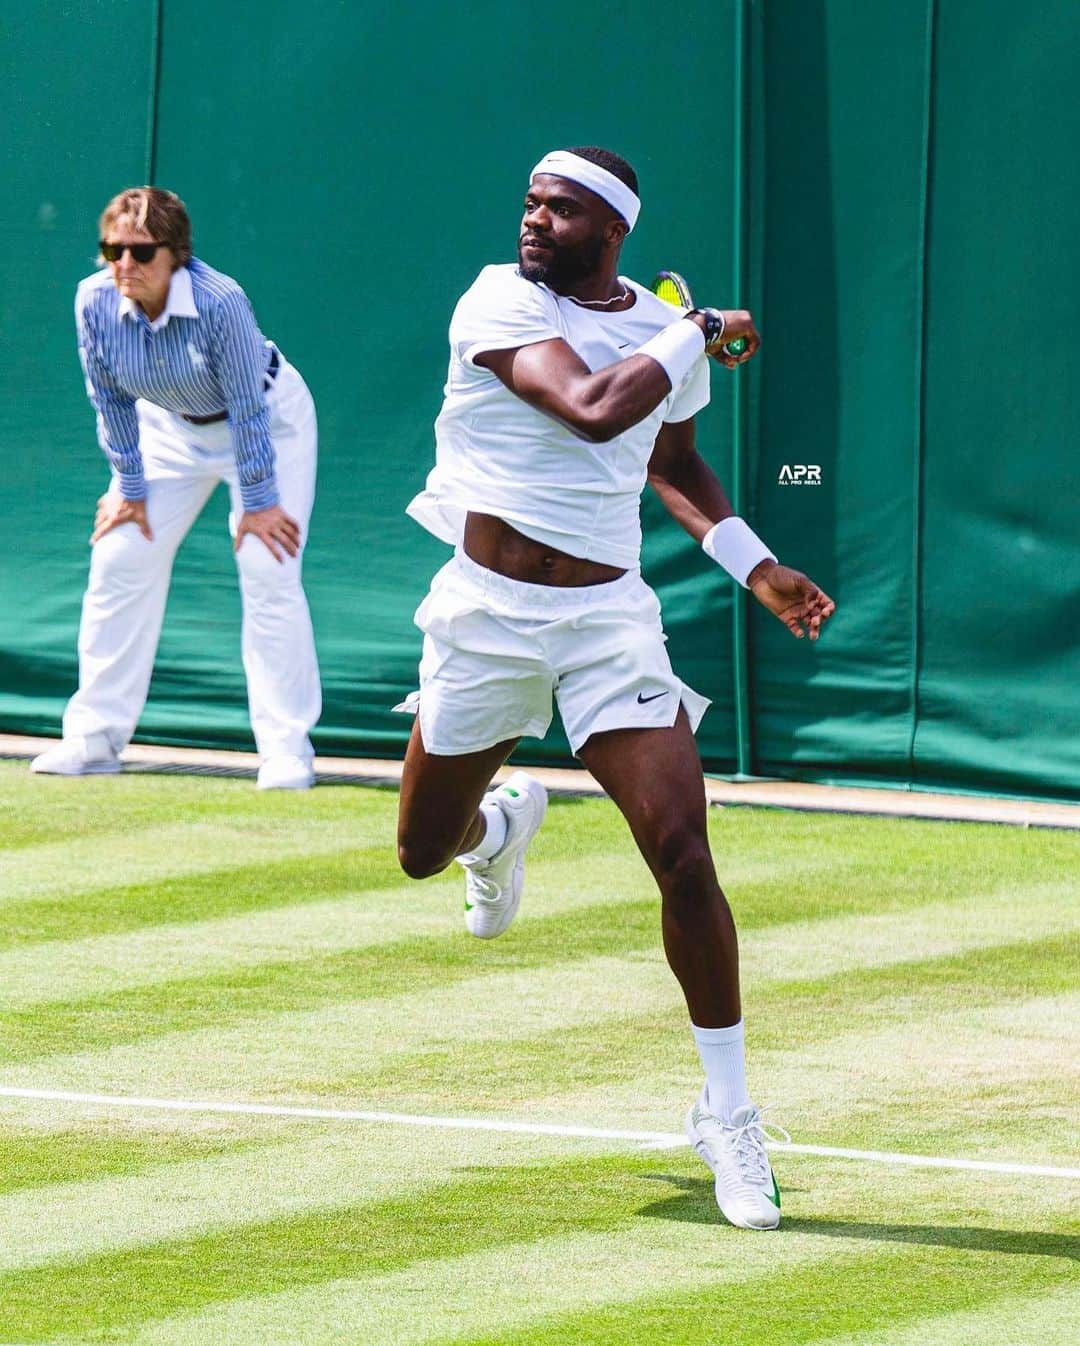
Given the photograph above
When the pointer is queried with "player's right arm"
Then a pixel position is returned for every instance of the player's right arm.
(510, 327)
(552, 377)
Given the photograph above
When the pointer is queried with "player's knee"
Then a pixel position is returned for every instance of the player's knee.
(684, 862)
(420, 861)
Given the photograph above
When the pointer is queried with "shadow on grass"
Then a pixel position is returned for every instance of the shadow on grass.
(696, 1205)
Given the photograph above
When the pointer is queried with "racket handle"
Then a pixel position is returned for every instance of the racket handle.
(734, 348)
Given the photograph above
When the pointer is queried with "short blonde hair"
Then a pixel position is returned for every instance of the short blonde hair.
(160, 213)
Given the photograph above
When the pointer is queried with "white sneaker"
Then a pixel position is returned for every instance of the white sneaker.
(493, 887)
(91, 755)
(285, 773)
(746, 1191)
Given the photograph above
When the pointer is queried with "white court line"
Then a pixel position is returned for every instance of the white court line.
(654, 1140)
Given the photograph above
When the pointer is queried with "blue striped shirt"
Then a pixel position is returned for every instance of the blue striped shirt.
(203, 355)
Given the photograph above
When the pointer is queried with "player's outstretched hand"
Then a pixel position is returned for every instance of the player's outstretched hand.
(277, 531)
(793, 597)
(113, 510)
(738, 326)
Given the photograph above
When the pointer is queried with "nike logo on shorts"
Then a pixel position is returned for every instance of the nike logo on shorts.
(644, 700)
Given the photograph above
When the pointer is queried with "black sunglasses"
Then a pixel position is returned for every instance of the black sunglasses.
(141, 252)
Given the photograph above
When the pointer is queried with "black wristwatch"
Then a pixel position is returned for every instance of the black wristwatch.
(714, 326)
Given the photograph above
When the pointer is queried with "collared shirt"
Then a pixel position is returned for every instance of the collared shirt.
(204, 354)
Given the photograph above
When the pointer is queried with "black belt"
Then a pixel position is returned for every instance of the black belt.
(271, 374)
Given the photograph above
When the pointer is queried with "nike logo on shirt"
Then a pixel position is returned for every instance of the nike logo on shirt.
(644, 700)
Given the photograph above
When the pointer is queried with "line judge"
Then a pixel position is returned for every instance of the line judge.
(188, 393)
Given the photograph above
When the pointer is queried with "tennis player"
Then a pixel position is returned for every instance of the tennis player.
(570, 386)
(188, 393)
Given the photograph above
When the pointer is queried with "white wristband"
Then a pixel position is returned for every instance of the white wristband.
(675, 349)
(733, 544)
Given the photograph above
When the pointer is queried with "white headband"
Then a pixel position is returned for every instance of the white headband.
(563, 164)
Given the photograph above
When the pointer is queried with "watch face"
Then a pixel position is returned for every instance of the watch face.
(714, 325)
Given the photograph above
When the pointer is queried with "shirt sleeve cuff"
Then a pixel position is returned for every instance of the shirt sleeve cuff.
(132, 485)
(259, 494)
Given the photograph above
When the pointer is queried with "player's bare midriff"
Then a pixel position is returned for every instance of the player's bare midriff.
(495, 545)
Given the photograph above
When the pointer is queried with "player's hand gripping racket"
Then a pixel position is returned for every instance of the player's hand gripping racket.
(673, 289)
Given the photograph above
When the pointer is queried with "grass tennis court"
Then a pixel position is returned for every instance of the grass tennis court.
(909, 987)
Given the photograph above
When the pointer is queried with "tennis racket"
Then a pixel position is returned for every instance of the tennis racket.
(673, 289)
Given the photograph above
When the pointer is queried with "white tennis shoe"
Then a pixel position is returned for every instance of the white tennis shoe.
(285, 773)
(89, 755)
(493, 887)
(746, 1191)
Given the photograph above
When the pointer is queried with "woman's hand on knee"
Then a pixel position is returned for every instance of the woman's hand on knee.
(277, 530)
(113, 510)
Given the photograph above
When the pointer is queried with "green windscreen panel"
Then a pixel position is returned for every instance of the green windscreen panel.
(909, 189)
(999, 656)
(74, 90)
(367, 162)
(921, 349)
(835, 464)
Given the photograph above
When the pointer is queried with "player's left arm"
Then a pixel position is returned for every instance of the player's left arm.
(694, 497)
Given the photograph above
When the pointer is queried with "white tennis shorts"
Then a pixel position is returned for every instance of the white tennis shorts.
(497, 650)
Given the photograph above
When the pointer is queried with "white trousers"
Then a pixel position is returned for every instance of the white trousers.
(129, 579)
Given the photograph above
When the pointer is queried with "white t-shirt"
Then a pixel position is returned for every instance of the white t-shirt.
(496, 454)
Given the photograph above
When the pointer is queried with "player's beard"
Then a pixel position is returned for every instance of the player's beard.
(564, 267)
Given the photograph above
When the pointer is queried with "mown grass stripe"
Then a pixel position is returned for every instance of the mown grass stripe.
(649, 1140)
(316, 1169)
(636, 1068)
(674, 1243)
(319, 859)
(933, 858)
(558, 866)
(75, 969)
(225, 997)
(266, 884)
(797, 1306)
(1051, 1318)
(362, 918)
(89, 1152)
(139, 841)
(966, 1052)
(978, 1074)
(163, 851)
(564, 1198)
(862, 996)
(39, 810)
(536, 1237)
(891, 856)
(947, 1087)
(284, 1049)
(782, 1015)
(336, 984)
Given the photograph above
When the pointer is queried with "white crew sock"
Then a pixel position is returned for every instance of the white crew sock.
(494, 837)
(723, 1056)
